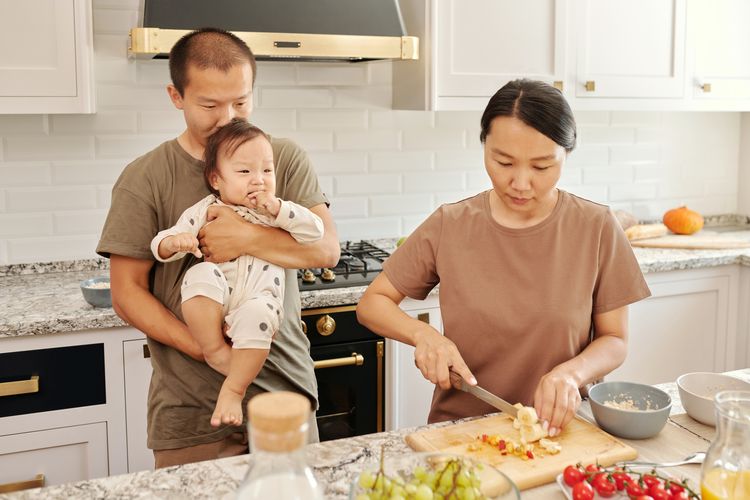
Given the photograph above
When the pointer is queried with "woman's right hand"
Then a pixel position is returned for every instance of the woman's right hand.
(436, 356)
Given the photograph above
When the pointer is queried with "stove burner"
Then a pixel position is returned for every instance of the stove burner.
(360, 262)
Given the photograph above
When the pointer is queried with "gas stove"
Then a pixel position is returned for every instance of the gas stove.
(359, 264)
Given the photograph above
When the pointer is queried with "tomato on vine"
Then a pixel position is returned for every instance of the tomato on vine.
(573, 475)
(583, 491)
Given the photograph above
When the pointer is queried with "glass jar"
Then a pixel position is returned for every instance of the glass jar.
(726, 470)
(278, 426)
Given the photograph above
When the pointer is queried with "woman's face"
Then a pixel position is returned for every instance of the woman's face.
(524, 166)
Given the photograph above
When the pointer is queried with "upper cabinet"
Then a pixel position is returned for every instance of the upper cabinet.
(46, 52)
(603, 54)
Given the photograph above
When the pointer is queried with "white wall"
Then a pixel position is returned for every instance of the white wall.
(743, 195)
(384, 170)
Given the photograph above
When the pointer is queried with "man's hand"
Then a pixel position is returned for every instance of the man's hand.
(224, 237)
(265, 203)
(180, 242)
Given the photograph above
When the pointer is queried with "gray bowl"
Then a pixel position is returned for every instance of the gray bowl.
(97, 297)
(645, 420)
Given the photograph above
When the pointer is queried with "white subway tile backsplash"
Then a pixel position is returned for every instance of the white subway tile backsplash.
(593, 193)
(117, 4)
(334, 119)
(649, 135)
(465, 159)
(331, 74)
(167, 121)
(294, 98)
(367, 140)
(614, 174)
(103, 196)
(649, 153)
(79, 222)
(153, 72)
(123, 146)
(368, 98)
(400, 120)
(103, 122)
(478, 180)
(52, 248)
(454, 196)
(111, 47)
(468, 120)
(339, 162)
(438, 181)
(348, 207)
(22, 173)
(411, 222)
(326, 185)
(12, 125)
(685, 188)
(94, 172)
(725, 187)
(606, 135)
(400, 204)
(275, 73)
(371, 227)
(433, 139)
(588, 155)
(571, 175)
(400, 161)
(309, 141)
(18, 225)
(131, 97)
(368, 184)
(623, 192)
(379, 73)
(635, 118)
(649, 173)
(27, 200)
(69, 147)
(117, 21)
(585, 118)
(273, 119)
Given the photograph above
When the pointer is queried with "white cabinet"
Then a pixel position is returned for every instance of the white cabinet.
(409, 393)
(633, 48)
(46, 51)
(137, 365)
(743, 324)
(54, 456)
(688, 324)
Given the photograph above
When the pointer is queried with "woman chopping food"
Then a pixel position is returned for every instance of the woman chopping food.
(535, 282)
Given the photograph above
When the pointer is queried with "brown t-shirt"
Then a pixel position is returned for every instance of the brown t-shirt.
(516, 302)
(149, 196)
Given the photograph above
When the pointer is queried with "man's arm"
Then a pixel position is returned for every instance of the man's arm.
(227, 236)
(133, 302)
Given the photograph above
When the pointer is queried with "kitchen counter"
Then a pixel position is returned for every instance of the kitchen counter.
(337, 463)
(42, 299)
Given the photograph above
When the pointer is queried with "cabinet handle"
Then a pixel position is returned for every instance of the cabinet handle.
(20, 387)
(706, 87)
(37, 482)
(558, 84)
(590, 86)
(146, 351)
(424, 317)
(354, 359)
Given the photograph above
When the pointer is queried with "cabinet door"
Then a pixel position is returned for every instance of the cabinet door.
(633, 48)
(687, 325)
(60, 455)
(721, 44)
(483, 44)
(137, 378)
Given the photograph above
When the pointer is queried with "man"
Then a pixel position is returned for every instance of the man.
(212, 73)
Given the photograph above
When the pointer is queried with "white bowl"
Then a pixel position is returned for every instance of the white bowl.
(697, 391)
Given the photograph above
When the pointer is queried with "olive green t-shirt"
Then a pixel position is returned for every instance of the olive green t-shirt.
(516, 302)
(149, 196)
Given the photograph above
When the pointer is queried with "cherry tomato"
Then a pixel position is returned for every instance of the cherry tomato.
(679, 495)
(650, 480)
(573, 475)
(658, 492)
(592, 469)
(674, 488)
(634, 490)
(583, 491)
(643, 497)
(621, 480)
(604, 486)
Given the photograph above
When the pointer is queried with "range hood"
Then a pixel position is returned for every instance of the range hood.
(311, 30)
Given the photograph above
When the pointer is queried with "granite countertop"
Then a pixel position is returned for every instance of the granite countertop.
(335, 464)
(41, 299)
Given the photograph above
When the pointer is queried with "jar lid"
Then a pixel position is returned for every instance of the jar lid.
(281, 411)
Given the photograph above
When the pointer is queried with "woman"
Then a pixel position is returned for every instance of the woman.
(534, 281)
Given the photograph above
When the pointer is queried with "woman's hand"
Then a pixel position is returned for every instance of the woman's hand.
(221, 238)
(556, 399)
(436, 356)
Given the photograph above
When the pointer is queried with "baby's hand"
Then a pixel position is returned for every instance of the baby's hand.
(266, 203)
(180, 242)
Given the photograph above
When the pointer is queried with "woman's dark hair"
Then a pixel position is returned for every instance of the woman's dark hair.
(207, 48)
(225, 141)
(538, 105)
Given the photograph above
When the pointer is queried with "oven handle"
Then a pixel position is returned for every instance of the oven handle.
(354, 359)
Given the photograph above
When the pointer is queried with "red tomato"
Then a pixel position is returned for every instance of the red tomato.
(650, 480)
(621, 480)
(583, 491)
(658, 492)
(679, 495)
(675, 488)
(634, 490)
(573, 475)
(642, 497)
(604, 487)
(592, 469)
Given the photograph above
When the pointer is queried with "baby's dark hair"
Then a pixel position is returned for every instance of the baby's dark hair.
(226, 140)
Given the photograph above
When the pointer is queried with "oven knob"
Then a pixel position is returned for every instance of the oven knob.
(326, 325)
(308, 276)
(328, 275)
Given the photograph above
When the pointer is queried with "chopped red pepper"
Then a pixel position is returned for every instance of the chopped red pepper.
(501, 445)
(484, 438)
(529, 454)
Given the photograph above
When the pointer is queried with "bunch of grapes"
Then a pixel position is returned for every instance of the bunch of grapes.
(452, 479)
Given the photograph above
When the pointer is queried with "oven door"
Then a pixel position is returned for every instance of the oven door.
(350, 378)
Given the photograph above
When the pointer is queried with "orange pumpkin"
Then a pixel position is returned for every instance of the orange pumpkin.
(683, 220)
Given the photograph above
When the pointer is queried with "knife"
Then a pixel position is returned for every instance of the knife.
(459, 383)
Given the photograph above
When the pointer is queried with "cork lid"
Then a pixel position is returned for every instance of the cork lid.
(281, 411)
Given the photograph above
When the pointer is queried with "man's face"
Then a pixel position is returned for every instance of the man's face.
(212, 98)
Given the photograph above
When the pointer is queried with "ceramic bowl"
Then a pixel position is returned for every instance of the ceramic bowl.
(493, 483)
(96, 291)
(630, 410)
(697, 391)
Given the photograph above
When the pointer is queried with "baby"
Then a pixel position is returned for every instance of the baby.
(247, 293)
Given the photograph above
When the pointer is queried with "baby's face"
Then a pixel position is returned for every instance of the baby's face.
(248, 170)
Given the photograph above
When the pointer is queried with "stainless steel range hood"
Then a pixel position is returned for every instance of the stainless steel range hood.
(311, 30)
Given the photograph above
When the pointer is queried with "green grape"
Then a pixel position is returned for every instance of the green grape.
(463, 478)
(420, 472)
(366, 480)
(424, 492)
(363, 496)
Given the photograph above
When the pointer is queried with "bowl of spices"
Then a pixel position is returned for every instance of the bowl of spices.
(96, 291)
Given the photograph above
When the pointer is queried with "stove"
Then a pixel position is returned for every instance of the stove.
(359, 264)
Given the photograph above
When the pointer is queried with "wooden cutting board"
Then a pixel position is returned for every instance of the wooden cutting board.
(705, 240)
(581, 442)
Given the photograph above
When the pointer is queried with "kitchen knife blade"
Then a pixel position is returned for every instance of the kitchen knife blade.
(495, 401)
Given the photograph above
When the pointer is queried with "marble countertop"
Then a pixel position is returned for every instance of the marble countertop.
(42, 299)
(335, 464)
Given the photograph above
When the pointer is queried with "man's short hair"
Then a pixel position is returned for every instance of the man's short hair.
(207, 48)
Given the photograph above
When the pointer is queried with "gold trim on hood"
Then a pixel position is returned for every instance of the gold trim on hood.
(148, 43)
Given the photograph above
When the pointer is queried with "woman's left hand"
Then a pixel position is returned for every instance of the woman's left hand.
(556, 399)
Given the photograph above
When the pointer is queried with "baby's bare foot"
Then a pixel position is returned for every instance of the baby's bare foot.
(228, 409)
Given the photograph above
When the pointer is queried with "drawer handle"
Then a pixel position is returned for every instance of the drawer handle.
(37, 482)
(20, 387)
(354, 359)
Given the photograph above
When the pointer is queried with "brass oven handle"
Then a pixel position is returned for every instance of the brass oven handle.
(354, 359)
(20, 387)
(37, 482)
(326, 325)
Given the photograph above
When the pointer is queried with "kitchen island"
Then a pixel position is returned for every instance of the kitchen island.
(337, 463)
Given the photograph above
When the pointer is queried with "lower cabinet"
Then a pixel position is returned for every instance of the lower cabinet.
(53, 456)
(137, 366)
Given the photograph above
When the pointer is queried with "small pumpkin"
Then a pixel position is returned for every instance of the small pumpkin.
(682, 220)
